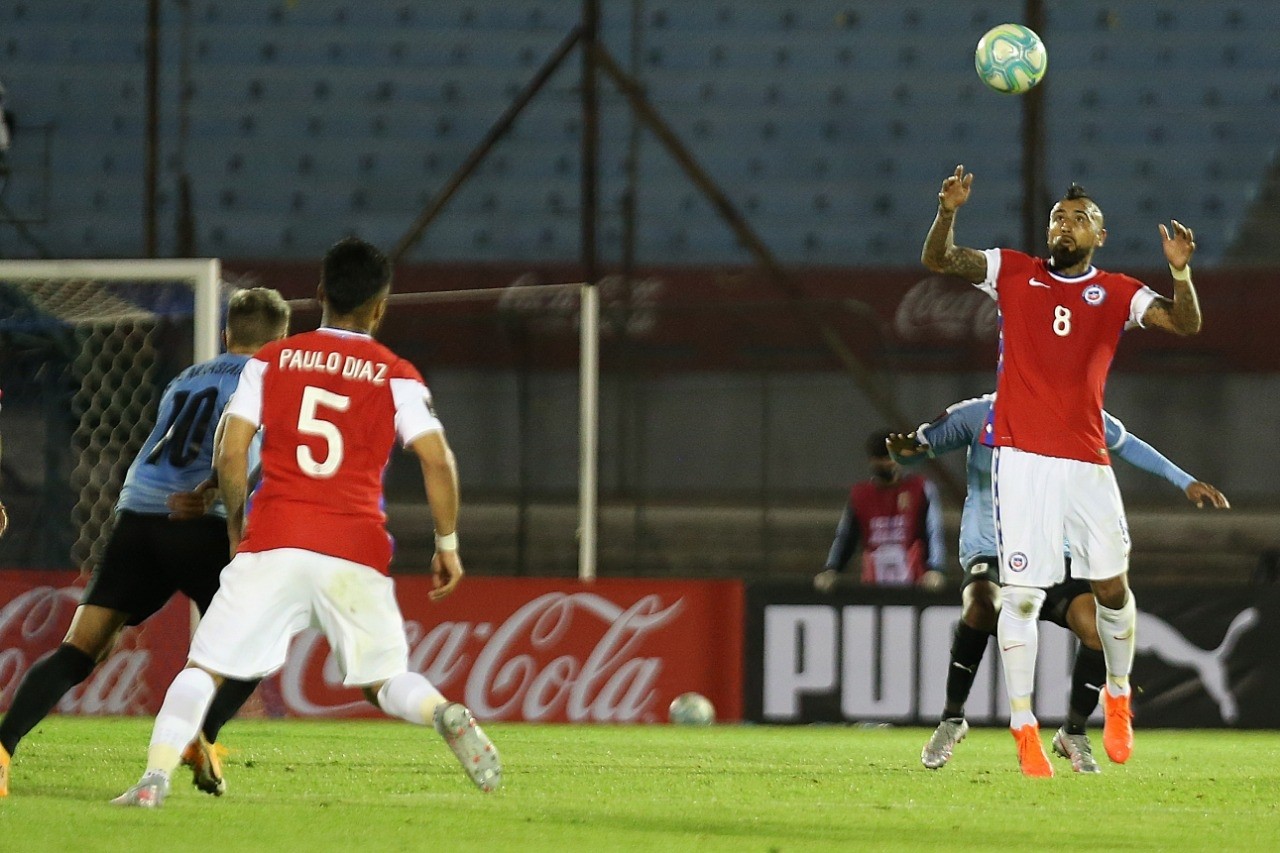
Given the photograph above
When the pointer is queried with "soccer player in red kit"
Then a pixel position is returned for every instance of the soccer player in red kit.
(1060, 323)
(314, 549)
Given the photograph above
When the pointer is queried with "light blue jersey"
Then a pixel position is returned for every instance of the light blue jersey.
(961, 426)
(178, 454)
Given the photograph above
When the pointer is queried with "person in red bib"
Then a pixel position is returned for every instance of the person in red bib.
(1061, 319)
(897, 521)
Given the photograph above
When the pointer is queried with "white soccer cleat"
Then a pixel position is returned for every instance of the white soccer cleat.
(1076, 749)
(475, 751)
(937, 752)
(149, 793)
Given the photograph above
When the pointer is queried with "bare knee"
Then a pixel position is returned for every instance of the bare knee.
(1112, 592)
(981, 606)
(94, 630)
(1082, 618)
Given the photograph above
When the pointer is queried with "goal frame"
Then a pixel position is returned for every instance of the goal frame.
(204, 273)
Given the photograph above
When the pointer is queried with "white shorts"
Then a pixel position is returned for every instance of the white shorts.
(1041, 501)
(268, 597)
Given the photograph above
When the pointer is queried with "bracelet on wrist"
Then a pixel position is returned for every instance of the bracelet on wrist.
(1183, 274)
(448, 542)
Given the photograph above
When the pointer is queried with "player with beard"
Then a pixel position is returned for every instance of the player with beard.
(1069, 604)
(897, 519)
(1061, 320)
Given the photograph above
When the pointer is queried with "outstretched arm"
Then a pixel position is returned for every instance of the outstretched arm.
(1140, 454)
(940, 252)
(952, 430)
(1181, 314)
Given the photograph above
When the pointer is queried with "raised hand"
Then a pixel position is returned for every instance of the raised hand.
(1178, 247)
(955, 189)
(904, 446)
(1199, 493)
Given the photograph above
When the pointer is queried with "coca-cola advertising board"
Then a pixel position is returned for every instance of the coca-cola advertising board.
(549, 650)
(546, 650)
(35, 611)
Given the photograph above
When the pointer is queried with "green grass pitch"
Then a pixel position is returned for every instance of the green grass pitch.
(385, 786)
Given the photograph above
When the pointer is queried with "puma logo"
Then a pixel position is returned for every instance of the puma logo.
(1161, 639)
(1037, 283)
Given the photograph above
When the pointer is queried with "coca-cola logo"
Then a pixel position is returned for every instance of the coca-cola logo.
(940, 309)
(32, 624)
(627, 306)
(576, 656)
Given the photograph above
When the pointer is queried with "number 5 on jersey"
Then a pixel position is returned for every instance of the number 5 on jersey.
(310, 423)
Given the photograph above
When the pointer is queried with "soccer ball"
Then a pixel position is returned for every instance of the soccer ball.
(1011, 59)
(692, 709)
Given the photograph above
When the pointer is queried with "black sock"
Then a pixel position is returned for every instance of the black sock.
(225, 705)
(968, 645)
(1087, 677)
(44, 685)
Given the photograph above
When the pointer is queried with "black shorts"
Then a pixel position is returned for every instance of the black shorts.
(150, 557)
(1057, 599)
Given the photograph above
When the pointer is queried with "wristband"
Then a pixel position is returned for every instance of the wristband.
(448, 542)
(1183, 274)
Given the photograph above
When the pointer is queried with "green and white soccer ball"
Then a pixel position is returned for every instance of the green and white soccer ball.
(691, 709)
(1011, 59)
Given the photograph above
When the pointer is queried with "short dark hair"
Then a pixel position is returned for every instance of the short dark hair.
(876, 447)
(354, 272)
(255, 316)
(1075, 192)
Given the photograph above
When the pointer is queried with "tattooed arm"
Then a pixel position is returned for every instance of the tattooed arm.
(940, 253)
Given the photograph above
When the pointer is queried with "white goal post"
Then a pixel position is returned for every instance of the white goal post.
(588, 319)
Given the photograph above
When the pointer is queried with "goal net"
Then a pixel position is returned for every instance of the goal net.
(86, 348)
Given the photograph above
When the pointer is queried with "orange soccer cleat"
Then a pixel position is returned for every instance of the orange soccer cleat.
(205, 761)
(4, 772)
(1117, 729)
(1031, 755)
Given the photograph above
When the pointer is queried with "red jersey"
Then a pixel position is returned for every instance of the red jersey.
(330, 405)
(1058, 336)
(893, 527)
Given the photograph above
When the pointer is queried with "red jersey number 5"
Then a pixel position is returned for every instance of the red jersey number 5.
(309, 423)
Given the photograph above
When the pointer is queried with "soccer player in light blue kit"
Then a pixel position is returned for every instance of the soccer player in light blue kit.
(1070, 604)
(156, 549)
